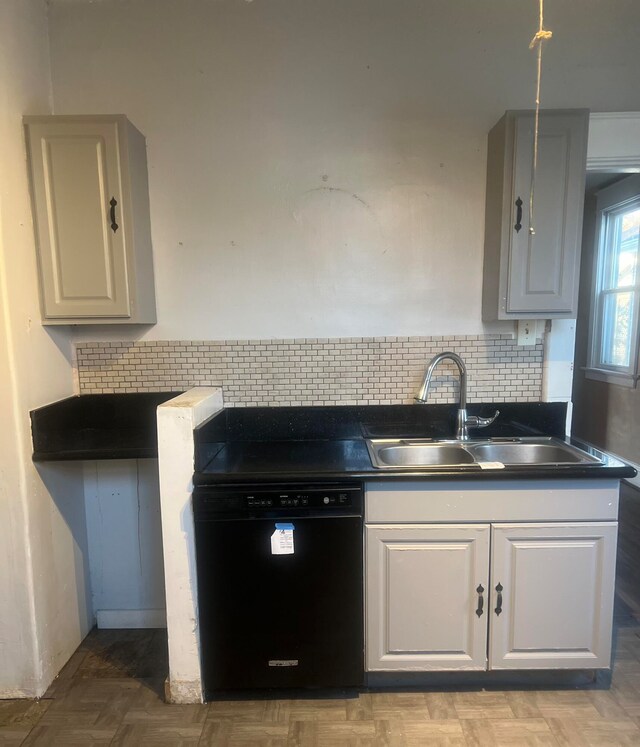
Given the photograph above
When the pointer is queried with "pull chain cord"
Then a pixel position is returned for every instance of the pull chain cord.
(541, 35)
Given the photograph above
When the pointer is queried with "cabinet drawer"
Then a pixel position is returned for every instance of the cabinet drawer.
(486, 501)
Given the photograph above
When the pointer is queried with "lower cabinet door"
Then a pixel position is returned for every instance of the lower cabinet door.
(427, 597)
(552, 589)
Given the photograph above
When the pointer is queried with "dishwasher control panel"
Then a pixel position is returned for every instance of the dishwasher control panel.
(300, 499)
(277, 500)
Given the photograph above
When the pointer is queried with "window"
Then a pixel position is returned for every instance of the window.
(616, 298)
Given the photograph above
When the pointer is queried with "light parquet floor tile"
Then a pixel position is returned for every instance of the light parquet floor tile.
(482, 704)
(334, 711)
(514, 732)
(441, 706)
(344, 734)
(523, 704)
(595, 732)
(412, 706)
(566, 704)
(68, 736)
(157, 735)
(243, 733)
(12, 736)
(92, 703)
(446, 733)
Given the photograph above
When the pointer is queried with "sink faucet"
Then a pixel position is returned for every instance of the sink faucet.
(463, 421)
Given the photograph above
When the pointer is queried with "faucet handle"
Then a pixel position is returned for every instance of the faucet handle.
(474, 421)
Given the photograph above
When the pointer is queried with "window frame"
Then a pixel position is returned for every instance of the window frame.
(611, 201)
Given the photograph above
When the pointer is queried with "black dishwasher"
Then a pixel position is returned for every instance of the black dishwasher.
(280, 586)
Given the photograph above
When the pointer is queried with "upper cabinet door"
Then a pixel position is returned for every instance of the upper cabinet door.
(76, 176)
(84, 196)
(534, 275)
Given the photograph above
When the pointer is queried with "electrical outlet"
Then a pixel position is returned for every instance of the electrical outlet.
(527, 332)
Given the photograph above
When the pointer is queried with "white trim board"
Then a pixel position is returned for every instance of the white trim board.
(614, 141)
(131, 618)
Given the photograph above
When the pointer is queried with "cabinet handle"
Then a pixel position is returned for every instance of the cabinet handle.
(498, 609)
(518, 224)
(113, 202)
(480, 592)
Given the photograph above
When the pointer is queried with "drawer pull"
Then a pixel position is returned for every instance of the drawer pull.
(113, 202)
(518, 224)
(499, 589)
(480, 592)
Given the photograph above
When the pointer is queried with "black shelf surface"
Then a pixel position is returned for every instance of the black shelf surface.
(98, 426)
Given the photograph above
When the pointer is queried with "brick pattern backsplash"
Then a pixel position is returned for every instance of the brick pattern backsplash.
(380, 370)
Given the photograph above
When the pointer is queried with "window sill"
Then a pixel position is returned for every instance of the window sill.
(611, 377)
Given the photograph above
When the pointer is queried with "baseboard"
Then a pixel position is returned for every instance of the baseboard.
(18, 693)
(131, 618)
(183, 691)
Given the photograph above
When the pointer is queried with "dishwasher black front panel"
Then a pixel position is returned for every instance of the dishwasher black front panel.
(280, 621)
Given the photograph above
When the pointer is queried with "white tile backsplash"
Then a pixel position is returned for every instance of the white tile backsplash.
(306, 371)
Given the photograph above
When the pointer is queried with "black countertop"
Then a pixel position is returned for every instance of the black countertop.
(98, 426)
(293, 444)
(327, 444)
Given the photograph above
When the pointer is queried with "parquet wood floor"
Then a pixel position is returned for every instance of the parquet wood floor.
(111, 693)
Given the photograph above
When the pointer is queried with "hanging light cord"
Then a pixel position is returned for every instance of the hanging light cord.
(541, 35)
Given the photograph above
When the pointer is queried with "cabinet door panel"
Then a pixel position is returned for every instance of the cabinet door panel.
(76, 173)
(543, 268)
(422, 597)
(557, 595)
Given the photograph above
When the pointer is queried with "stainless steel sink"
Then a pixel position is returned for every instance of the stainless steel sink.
(425, 453)
(531, 453)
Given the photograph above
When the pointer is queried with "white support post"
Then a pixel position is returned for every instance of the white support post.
(176, 420)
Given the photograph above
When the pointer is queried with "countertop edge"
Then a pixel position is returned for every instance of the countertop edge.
(514, 473)
(90, 455)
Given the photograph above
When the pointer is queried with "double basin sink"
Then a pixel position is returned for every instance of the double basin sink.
(426, 453)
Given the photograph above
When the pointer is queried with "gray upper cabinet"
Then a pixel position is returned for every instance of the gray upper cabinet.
(91, 216)
(534, 276)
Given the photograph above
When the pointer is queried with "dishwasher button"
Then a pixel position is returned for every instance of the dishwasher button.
(326, 500)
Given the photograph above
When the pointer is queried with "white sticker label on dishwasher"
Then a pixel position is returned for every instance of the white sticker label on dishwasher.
(491, 465)
(282, 540)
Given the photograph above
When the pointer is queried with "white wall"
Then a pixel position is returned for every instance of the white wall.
(318, 168)
(44, 599)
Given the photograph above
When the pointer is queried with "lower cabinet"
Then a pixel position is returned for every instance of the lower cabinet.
(489, 596)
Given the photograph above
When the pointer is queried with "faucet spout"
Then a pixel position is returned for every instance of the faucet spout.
(423, 392)
(463, 421)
